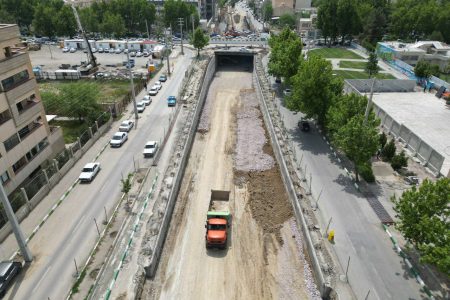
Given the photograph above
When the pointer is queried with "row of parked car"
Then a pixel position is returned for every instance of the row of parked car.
(133, 53)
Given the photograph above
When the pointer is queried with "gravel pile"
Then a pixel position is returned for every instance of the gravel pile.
(251, 136)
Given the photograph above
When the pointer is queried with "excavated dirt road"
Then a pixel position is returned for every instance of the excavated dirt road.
(263, 260)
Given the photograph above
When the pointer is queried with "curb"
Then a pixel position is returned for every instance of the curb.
(125, 253)
(411, 268)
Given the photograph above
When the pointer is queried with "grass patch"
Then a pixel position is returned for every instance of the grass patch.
(360, 75)
(334, 53)
(71, 129)
(445, 77)
(352, 64)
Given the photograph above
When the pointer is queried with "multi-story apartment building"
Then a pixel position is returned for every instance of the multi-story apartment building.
(26, 140)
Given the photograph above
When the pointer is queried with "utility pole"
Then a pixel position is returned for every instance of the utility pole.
(167, 51)
(21, 241)
(148, 32)
(136, 116)
(192, 17)
(180, 22)
(369, 102)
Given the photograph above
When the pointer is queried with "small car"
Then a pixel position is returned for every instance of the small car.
(158, 84)
(304, 125)
(287, 92)
(65, 50)
(118, 139)
(125, 51)
(146, 54)
(72, 50)
(163, 78)
(8, 271)
(140, 106)
(100, 50)
(94, 50)
(112, 51)
(106, 50)
(132, 54)
(171, 101)
(89, 172)
(150, 148)
(126, 126)
(139, 54)
(118, 51)
(147, 100)
(153, 91)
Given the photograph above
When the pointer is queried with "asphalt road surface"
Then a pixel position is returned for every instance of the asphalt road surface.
(70, 233)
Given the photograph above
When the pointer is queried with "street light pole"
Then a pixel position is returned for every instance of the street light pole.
(136, 116)
(180, 22)
(21, 241)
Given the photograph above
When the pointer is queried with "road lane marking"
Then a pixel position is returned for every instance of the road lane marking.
(42, 278)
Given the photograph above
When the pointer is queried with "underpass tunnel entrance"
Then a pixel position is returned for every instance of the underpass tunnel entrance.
(234, 61)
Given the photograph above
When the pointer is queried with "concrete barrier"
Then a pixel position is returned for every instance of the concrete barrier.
(150, 269)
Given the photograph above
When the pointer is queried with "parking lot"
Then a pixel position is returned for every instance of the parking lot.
(50, 57)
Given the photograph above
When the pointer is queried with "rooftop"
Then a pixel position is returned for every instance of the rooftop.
(425, 115)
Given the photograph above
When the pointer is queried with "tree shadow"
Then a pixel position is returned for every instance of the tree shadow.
(347, 183)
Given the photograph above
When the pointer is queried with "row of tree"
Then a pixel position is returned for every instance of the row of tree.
(111, 18)
(371, 20)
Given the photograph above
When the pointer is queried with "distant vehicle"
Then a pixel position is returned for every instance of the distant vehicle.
(72, 50)
(158, 84)
(171, 101)
(132, 54)
(304, 125)
(89, 172)
(106, 50)
(8, 271)
(65, 50)
(112, 51)
(218, 220)
(85, 50)
(277, 80)
(140, 106)
(100, 50)
(139, 54)
(146, 54)
(163, 78)
(118, 51)
(126, 125)
(94, 50)
(150, 148)
(118, 139)
(287, 92)
(153, 91)
(125, 51)
(147, 100)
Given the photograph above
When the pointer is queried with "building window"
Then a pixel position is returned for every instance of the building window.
(37, 149)
(26, 103)
(4, 116)
(17, 167)
(11, 82)
(11, 142)
(4, 178)
(25, 131)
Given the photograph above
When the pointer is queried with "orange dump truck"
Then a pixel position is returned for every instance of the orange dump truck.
(218, 220)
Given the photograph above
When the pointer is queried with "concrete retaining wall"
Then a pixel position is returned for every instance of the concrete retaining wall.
(25, 210)
(151, 268)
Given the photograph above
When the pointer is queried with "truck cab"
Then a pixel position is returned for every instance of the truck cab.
(218, 220)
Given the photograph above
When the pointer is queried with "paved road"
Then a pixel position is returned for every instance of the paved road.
(70, 232)
(374, 265)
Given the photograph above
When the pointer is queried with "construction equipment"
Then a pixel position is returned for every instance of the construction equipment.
(91, 66)
(218, 220)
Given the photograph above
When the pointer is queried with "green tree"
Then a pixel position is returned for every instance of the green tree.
(113, 25)
(174, 9)
(20, 12)
(422, 69)
(374, 28)
(358, 141)
(65, 22)
(126, 186)
(399, 161)
(79, 100)
(382, 139)
(90, 19)
(327, 19)
(267, 10)
(348, 21)
(199, 40)
(51, 102)
(43, 22)
(314, 88)
(372, 65)
(424, 221)
(388, 151)
(285, 55)
(287, 20)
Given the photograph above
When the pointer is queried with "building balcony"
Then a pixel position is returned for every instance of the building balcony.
(28, 113)
(20, 89)
(13, 62)
(9, 32)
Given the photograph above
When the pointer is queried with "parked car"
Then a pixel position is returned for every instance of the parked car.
(100, 50)
(150, 148)
(118, 51)
(147, 100)
(126, 125)
(163, 78)
(171, 101)
(94, 50)
(140, 106)
(132, 54)
(8, 271)
(125, 51)
(153, 91)
(304, 125)
(287, 92)
(139, 54)
(106, 50)
(65, 50)
(112, 51)
(72, 50)
(158, 84)
(146, 54)
(118, 139)
(89, 172)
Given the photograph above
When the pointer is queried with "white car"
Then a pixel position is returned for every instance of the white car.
(118, 139)
(158, 84)
(139, 54)
(153, 91)
(65, 49)
(125, 51)
(72, 50)
(150, 148)
(112, 51)
(147, 100)
(126, 125)
(140, 106)
(118, 51)
(94, 50)
(89, 172)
